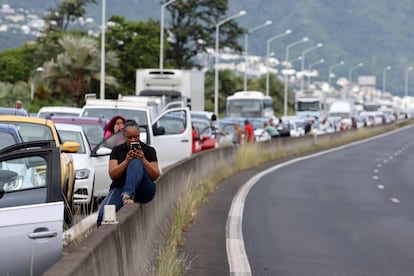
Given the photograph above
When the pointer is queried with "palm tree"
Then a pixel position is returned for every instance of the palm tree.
(79, 63)
(10, 92)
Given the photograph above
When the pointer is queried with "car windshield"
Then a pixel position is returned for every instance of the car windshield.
(33, 132)
(73, 136)
(139, 116)
(202, 126)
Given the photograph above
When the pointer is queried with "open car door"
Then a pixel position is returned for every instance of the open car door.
(31, 208)
(172, 136)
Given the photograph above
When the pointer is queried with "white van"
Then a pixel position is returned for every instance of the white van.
(343, 109)
(170, 133)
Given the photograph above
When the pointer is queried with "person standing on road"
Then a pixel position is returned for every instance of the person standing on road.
(133, 172)
(248, 132)
(237, 135)
(308, 127)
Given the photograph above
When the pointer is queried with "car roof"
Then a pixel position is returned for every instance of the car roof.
(13, 111)
(71, 127)
(83, 120)
(49, 110)
(32, 120)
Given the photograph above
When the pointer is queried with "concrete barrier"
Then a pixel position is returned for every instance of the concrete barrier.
(131, 246)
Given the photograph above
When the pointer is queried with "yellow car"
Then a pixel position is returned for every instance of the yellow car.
(36, 129)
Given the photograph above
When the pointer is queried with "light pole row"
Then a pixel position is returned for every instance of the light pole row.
(246, 45)
(285, 97)
(302, 81)
(321, 61)
(331, 68)
(241, 13)
(352, 69)
(268, 55)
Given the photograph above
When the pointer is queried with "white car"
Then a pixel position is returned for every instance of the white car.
(296, 127)
(48, 111)
(88, 168)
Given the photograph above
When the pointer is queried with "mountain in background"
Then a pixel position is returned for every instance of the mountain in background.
(376, 33)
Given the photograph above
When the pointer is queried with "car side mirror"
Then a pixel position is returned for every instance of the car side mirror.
(70, 147)
(102, 152)
(158, 130)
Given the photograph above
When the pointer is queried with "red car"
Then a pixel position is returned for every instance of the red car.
(206, 137)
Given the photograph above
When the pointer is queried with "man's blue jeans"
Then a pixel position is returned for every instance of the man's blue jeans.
(138, 185)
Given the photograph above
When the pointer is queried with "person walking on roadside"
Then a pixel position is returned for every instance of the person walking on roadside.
(132, 170)
(248, 132)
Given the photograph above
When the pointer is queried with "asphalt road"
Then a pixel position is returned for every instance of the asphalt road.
(346, 212)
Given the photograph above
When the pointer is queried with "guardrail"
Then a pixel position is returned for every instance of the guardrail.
(131, 246)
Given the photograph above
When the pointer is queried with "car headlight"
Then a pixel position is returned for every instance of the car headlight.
(82, 173)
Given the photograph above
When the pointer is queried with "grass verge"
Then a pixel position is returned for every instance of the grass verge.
(170, 263)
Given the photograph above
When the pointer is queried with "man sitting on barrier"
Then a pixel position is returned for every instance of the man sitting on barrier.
(133, 166)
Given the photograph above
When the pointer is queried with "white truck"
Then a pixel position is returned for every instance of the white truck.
(344, 110)
(185, 87)
(309, 103)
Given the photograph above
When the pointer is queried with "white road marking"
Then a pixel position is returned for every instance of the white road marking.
(375, 177)
(381, 187)
(236, 253)
(379, 165)
(376, 171)
(385, 161)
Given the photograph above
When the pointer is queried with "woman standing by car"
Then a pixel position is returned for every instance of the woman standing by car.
(116, 124)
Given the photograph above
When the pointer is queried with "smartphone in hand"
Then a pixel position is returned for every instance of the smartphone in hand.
(135, 145)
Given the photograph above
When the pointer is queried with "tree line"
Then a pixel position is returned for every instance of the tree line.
(64, 63)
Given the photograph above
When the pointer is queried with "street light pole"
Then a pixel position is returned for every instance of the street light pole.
(268, 55)
(311, 66)
(352, 69)
(32, 83)
(217, 58)
(162, 33)
(246, 45)
(331, 68)
(406, 79)
(285, 98)
(384, 82)
(302, 81)
(299, 58)
(102, 75)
